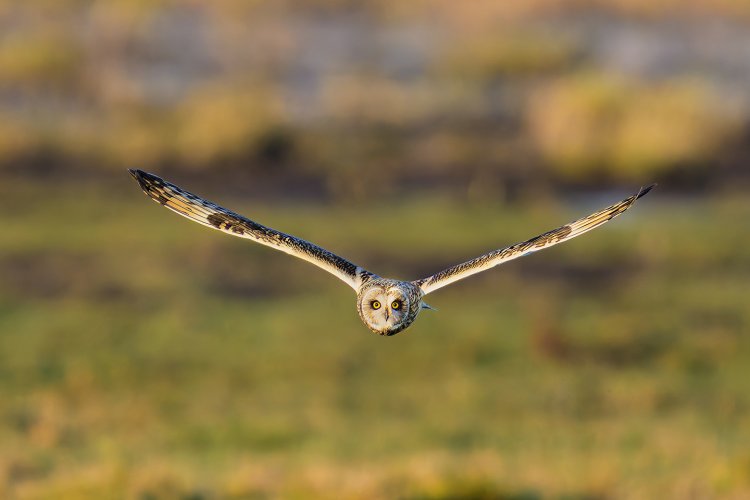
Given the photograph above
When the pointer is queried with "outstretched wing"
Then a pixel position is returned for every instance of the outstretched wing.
(212, 215)
(496, 257)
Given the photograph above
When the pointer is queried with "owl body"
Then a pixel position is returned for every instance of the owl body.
(386, 306)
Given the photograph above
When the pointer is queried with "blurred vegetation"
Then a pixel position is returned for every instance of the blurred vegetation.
(508, 55)
(142, 356)
(593, 126)
(339, 89)
(145, 355)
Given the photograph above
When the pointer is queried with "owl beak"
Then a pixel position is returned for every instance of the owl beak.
(387, 315)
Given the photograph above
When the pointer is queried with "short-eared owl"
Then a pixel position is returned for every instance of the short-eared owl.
(386, 306)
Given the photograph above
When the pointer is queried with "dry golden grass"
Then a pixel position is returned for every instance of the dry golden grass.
(147, 357)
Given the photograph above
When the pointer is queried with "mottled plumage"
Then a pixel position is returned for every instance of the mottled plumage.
(386, 306)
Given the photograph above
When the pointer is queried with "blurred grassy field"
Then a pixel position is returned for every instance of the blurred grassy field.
(371, 94)
(144, 356)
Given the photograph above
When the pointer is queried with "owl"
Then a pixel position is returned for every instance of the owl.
(386, 306)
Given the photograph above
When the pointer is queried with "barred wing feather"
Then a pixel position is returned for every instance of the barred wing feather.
(546, 240)
(209, 214)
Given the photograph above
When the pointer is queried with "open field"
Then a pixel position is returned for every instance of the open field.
(145, 357)
(144, 354)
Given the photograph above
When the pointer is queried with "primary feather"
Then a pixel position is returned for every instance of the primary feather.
(212, 215)
(545, 240)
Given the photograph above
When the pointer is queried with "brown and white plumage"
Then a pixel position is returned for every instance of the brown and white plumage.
(212, 215)
(545, 240)
(386, 306)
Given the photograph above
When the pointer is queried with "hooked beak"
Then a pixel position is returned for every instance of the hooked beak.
(387, 314)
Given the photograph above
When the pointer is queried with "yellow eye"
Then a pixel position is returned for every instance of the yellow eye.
(375, 304)
(396, 304)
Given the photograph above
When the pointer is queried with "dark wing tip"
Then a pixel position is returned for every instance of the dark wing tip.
(145, 179)
(152, 185)
(137, 174)
(645, 190)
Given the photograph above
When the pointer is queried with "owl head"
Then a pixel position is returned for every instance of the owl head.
(388, 306)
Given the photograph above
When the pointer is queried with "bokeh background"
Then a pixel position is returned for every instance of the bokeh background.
(143, 356)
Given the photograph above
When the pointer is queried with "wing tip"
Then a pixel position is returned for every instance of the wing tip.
(138, 174)
(151, 184)
(145, 179)
(645, 190)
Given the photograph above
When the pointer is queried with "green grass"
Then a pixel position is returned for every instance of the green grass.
(144, 356)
